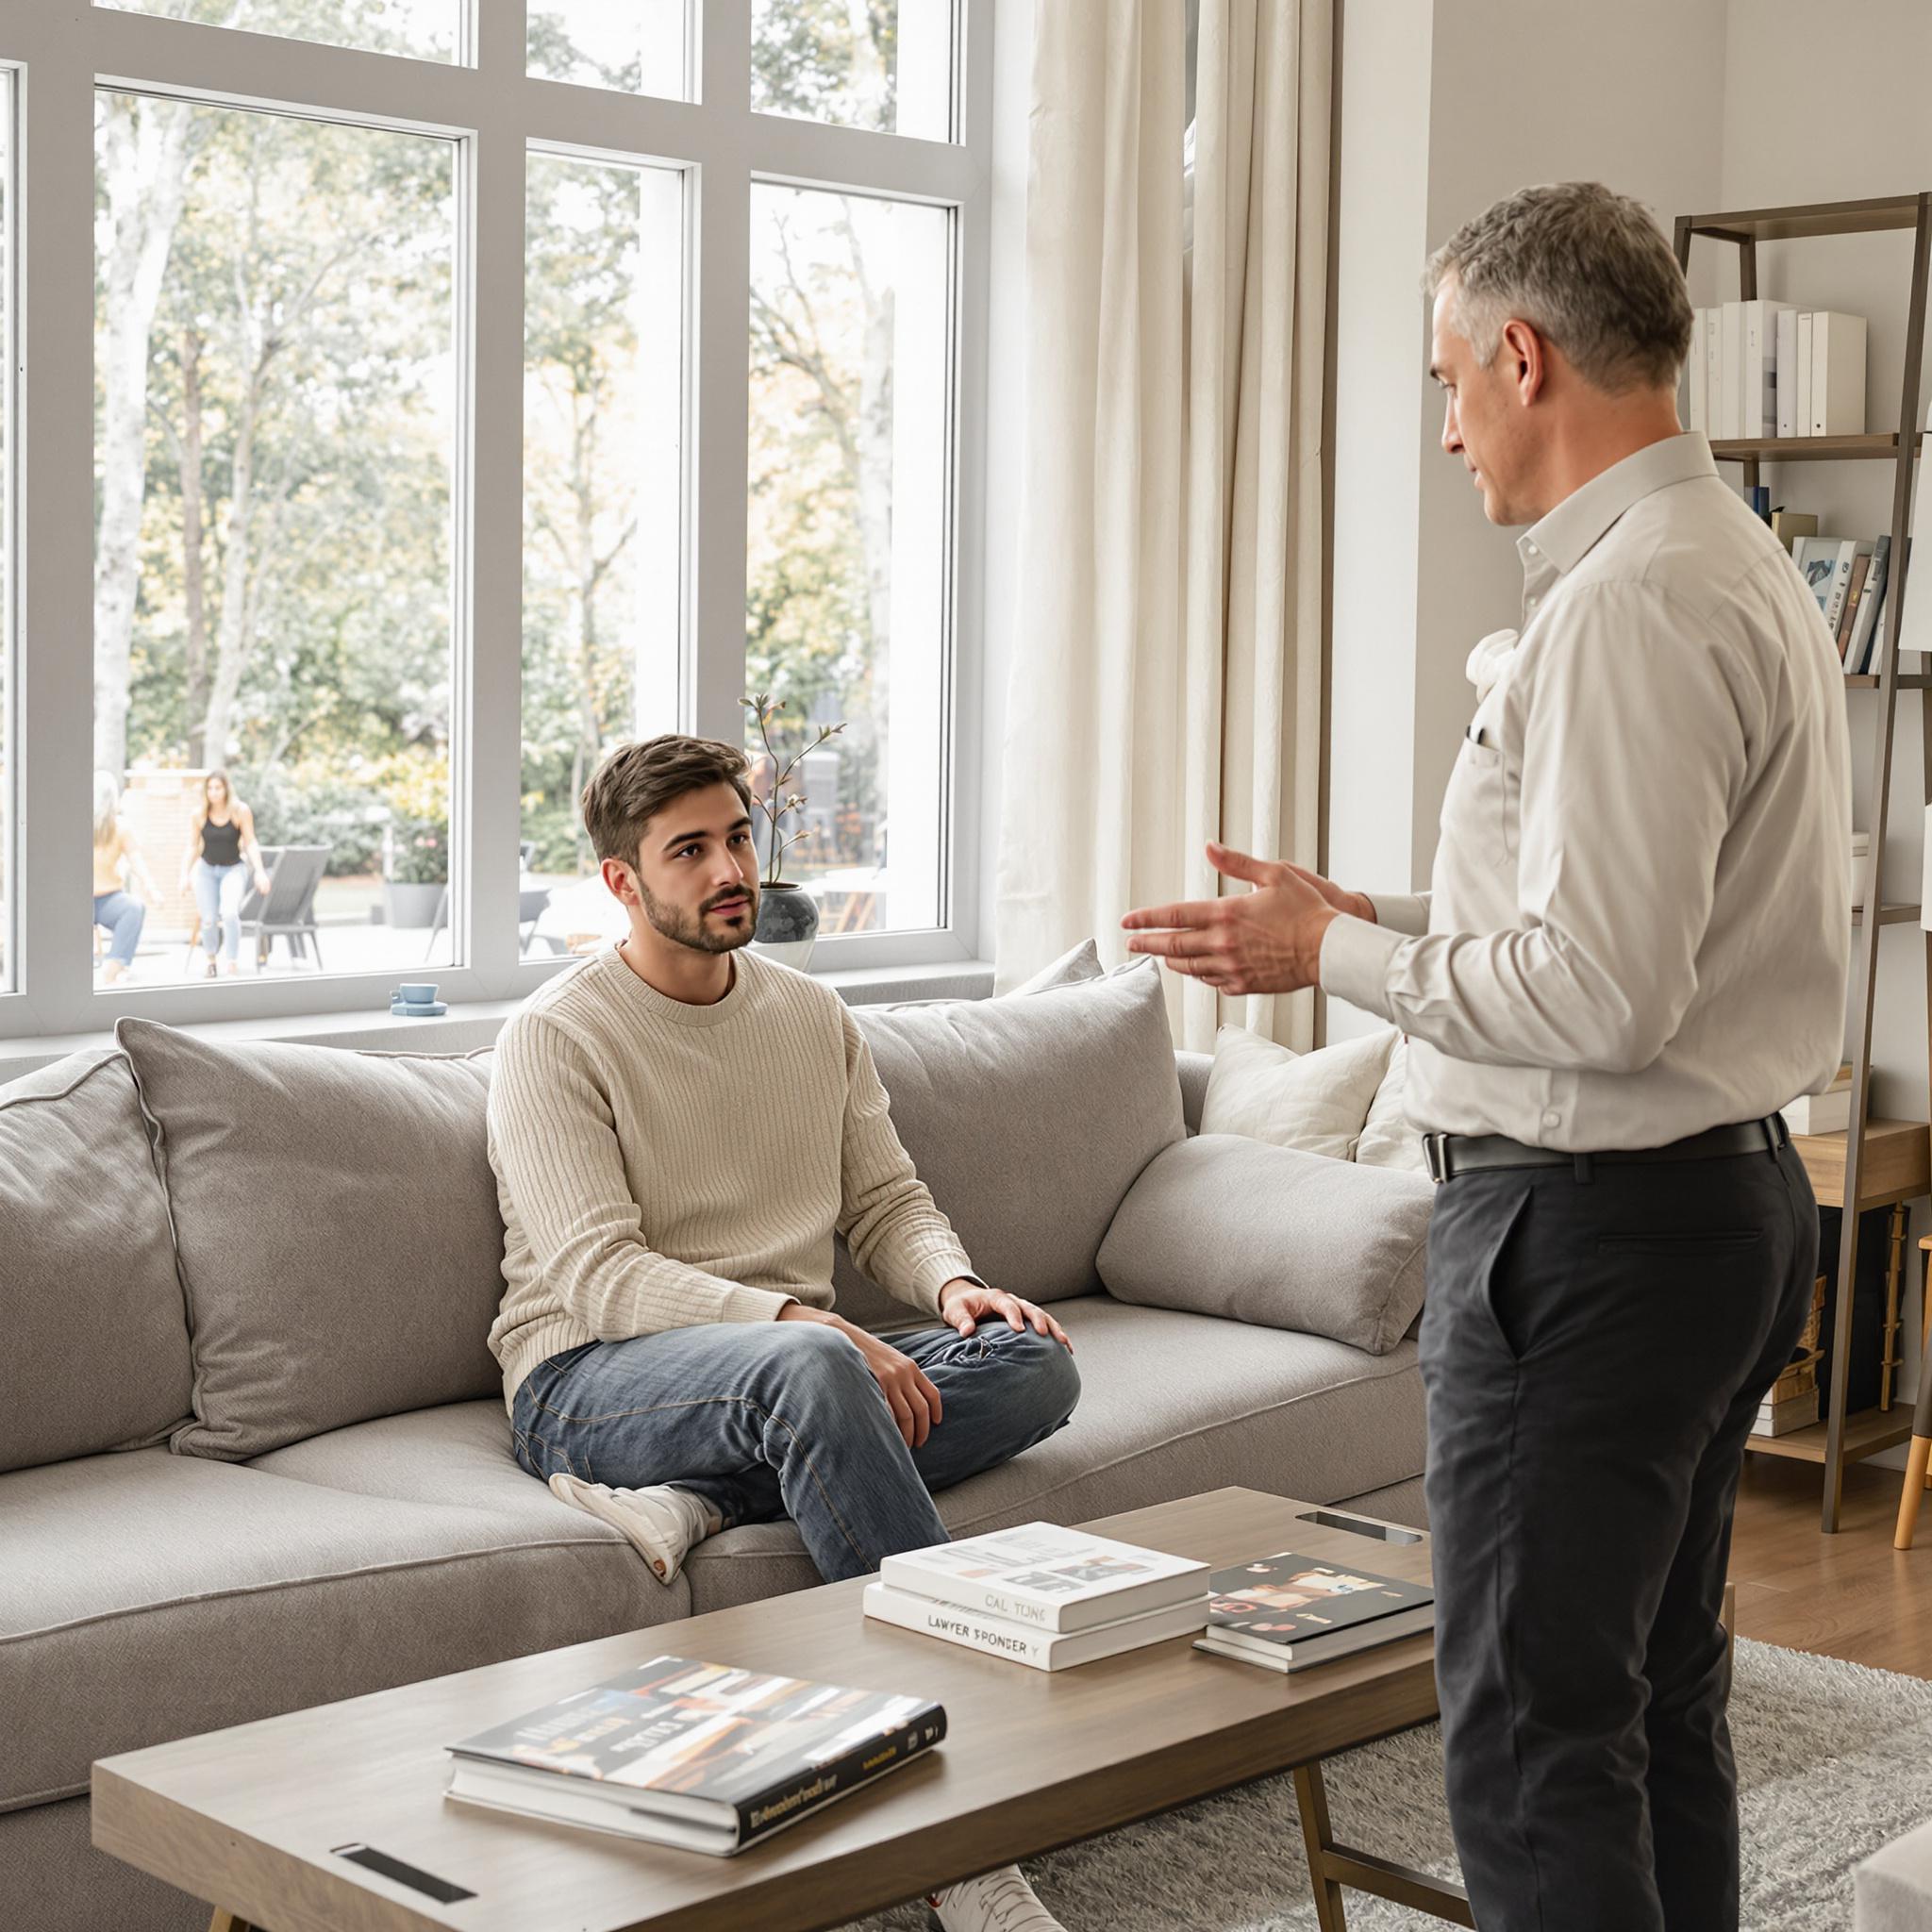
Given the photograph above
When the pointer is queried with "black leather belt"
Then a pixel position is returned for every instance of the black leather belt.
(1449, 1154)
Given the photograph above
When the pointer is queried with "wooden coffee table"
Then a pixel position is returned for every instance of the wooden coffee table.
(262, 1819)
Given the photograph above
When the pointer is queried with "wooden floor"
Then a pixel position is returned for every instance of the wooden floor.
(1850, 1596)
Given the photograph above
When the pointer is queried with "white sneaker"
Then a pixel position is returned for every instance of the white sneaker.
(662, 1523)
(998, 1901)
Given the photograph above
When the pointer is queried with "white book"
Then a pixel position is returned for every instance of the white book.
(1731, 368)
(1838, 374)
(1287, 1658)
(1805, 333)
(1046, 1577)
(1787, 371)
(1714, 374)
(1759, 378)
(1040, 1650)
(1819, 1113)
(1695, 414)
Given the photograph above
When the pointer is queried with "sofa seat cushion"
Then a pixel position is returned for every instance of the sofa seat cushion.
(149, 1597)
(1170, 1405)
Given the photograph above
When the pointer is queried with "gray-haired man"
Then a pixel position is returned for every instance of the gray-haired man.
(1635, 952)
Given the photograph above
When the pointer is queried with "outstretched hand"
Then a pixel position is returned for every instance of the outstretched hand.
(963, 1305)
(1265, 941)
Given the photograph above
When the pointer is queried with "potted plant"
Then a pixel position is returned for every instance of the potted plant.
(787, 923)
(415, 864)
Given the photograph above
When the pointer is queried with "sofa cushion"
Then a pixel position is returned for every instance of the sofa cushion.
(1317, 1102)
(337, 1222)
(1028, 1118)
(152, 1596)
(1222, 1226)
(1170, 1405)
(95, 1353)
(1389, 1137)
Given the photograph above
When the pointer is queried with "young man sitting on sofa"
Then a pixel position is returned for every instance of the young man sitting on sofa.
(677, 1126)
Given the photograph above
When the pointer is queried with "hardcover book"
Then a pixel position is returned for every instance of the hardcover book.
(690, 1753)
(1029, 1644)
(1285, 1600)
(1044, 1577)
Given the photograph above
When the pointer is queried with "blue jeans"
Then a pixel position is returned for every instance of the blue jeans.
(123, 916)
(770, 1419)
(219, 891)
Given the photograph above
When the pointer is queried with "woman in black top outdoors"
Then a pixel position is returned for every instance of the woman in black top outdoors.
(222, 853)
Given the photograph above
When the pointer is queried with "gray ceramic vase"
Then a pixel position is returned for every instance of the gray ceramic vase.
(788, 925)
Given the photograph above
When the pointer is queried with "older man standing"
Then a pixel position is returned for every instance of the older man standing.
(1634, 953)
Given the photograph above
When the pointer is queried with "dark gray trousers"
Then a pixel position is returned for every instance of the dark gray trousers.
(1594, 1350)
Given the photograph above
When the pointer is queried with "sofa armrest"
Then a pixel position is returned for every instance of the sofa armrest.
(1195, 1069)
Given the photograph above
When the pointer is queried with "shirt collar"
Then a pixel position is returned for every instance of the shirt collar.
(1557, 542)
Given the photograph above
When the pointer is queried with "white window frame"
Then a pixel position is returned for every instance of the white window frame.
(59, 54)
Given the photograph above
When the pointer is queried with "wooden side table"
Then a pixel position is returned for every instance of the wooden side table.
(1918, 1462)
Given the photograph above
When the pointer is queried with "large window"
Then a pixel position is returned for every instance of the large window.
(472, 390)
(603, 395)
(846, 564)
(275, 416)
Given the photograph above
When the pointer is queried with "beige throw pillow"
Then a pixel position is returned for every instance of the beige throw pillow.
(1316, 1102)
(1390, 1138)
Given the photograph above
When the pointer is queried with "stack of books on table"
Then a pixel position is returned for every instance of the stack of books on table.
(695, 1755)
(1829, 1112)
(1042, 1596)
(1287, 1612)
(1792, 1402)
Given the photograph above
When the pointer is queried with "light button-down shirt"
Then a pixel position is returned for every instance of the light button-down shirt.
(1640, 917)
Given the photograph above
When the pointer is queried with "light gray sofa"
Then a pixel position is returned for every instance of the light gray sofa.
(149, 1592)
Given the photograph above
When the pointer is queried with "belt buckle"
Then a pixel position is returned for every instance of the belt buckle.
(1435, 1152)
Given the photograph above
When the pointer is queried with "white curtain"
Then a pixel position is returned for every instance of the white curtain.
(1166, 682)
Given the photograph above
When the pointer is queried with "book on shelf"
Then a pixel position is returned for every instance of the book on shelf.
(1917, 634)
(1788, 526)
(1731, 368)
(1806, 321)
(1713, 372)
(1030, 1644)
(1838, 374)
(1788, 373)
(701, 1755)
(1289, 1611)
(1044, 1577)
(1858, 654)
(1817, 560)
(1782, 1418)
(1850, 550)
(1758, 383)
(1829, 1112)
(1696, 413)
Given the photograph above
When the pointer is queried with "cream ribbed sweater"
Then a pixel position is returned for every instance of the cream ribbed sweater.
(662, 1165)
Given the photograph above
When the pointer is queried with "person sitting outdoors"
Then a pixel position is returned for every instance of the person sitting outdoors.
(221, 855)
(118, 863)
(678, 1127)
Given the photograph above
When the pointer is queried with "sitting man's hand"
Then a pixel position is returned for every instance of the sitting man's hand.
(912, 1399)
(963, 1305)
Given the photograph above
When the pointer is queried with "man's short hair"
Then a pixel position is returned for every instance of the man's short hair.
(1590, 269)
(637, 781)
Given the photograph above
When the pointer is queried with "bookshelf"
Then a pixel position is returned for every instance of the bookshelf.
(1876, 1163)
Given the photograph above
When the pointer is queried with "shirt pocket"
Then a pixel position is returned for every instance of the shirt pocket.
(1476, 806)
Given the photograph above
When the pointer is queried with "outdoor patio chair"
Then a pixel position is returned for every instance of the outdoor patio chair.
(287, 913)
(532, 902)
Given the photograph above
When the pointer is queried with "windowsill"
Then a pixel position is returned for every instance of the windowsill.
(469, 1026)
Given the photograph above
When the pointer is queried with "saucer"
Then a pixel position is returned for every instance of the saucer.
(404, 1010)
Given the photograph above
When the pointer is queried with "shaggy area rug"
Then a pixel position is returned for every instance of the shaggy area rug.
(1833, 1761)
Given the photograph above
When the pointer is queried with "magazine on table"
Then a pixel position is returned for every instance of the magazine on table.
(1287, 1610)
(692, 1754)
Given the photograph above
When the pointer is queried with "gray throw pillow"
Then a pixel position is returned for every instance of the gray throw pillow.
(337, 1222)
(95, 1348)
(1225, 1226)
(1028, 1120)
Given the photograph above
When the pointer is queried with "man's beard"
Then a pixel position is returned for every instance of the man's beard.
(689, 928)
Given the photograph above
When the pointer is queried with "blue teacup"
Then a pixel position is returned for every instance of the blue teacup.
(415, 995)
